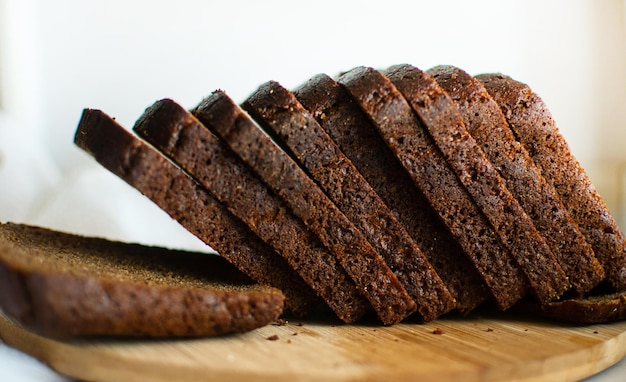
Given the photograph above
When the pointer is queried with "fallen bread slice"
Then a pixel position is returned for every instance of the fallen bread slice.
(63, 285)
(342, 197)
(194, 208)
(409, 141)
(356, 137)
(488, 126)
(593, 309)
(182, 137)
(534, 127)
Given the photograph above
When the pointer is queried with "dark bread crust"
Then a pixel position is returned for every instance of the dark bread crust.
(281, 115)
(485, 121)
(445, 125)
(410, 142)
(595, 309)
(357, 138)
(63, 285)
(177, 194)
(179, 135)
(534, 127)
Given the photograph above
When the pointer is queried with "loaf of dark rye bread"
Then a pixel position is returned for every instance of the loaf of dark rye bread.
(409, 141)
(280, 114)
(185, 201)
(382, 288)
(488, 126)
(357, 138)
(64, 285)
(417, 136)
(179, 135)
(534, 127)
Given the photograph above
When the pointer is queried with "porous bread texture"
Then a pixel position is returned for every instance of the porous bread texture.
(357, 138)
(182, 137)
(345, 198)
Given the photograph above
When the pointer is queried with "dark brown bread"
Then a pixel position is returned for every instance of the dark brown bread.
(594, 309)
(410, 142)
(280, 114)
(388, 298)
(357, 138)
(179, 135)
(534, 127)
(220, 114)
(185, 201)
(59, 284)
(485, 121)
(445, 125)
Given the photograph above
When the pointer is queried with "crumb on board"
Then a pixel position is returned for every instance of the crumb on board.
(281, 322)
(273, 337)
(437, 331)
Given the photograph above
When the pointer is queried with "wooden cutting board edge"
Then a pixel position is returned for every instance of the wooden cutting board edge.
(69, 358)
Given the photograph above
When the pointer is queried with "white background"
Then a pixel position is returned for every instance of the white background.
(57, 57)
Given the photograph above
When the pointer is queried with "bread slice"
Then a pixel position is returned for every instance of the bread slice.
(409, 141)
(445, 125)
(64, 285)
(179, 135)
(184, 200)
(356, 137)
(534, 127)
(486, 123)
(381, 287)
(342, 190)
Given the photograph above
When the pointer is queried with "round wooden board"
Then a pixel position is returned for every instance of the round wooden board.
(487, 346)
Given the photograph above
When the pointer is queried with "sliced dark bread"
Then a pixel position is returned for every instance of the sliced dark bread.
(358, 139)
(534, 127)
(64, 285)
(225, 119)
(280, 114)
(184, 200)
(408, 139)
(179, 135)
(487, 125)
(444, 123)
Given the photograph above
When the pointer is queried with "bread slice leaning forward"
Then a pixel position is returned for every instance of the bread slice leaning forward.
(64, 285)
(182, 137)
(157, 178)
(281, 116)
(536, 130)
(408, 139)
(358, 139)
(488, 126)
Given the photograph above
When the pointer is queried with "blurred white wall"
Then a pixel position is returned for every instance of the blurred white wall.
(57, 57)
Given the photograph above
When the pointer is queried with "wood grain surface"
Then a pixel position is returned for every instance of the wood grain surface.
(486, 346)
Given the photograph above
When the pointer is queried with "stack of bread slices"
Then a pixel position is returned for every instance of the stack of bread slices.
(400, 192)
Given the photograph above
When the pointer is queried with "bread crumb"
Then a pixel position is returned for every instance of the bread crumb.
(437, 331)
(281, 322)
(273, 337)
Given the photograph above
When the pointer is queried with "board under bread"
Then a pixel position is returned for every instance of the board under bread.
(486, 347)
